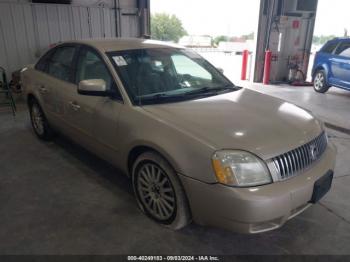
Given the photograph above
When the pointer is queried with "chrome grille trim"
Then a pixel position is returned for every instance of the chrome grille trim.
(292, 163)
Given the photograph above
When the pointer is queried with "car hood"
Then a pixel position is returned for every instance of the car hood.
(241, 120)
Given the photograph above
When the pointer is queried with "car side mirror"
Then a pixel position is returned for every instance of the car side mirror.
(93, 87)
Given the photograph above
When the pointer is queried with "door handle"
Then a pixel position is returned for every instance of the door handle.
(74, 106)
(42, 89)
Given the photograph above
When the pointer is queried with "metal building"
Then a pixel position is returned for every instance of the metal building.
(27, 28)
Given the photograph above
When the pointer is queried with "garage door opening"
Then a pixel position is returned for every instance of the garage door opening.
(331, 22)
(219, 31)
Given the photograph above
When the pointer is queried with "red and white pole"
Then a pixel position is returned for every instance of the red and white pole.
(244, 64)
(267, 67)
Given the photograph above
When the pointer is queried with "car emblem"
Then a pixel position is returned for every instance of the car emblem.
(313, 152)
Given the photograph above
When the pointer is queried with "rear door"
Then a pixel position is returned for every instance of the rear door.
(60, 71)
(341, 65)
(42, 83)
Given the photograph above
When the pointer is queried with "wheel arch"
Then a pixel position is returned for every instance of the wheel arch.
(32, 97)
(318, 68)
(136, 150)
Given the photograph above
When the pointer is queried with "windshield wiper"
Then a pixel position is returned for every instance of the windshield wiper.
(204, 91)
(161, 97)
(210, 90)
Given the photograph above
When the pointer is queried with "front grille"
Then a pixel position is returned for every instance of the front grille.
(299, 159)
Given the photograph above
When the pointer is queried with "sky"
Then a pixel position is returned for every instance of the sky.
(227, 17)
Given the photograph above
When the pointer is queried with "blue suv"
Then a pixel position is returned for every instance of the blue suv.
(332, 65)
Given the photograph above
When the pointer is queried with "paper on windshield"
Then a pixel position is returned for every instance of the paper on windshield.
(120, 61)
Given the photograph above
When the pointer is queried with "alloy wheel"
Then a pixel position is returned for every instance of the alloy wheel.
(319, 81)
(156, 192)
(37, 119)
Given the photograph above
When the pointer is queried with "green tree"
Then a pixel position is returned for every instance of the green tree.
(166, 27)
(322, 39)
(248, 36)
(220, 38)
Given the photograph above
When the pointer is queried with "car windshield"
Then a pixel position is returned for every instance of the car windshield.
(165, 75)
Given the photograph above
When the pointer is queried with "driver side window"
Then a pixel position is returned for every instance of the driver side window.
(91, 66)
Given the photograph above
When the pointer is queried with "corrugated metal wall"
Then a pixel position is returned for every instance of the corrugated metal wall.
(26, 29)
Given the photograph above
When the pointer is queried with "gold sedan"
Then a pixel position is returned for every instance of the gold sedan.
(195, 146)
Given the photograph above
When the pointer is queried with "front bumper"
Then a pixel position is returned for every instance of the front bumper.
(256, 209)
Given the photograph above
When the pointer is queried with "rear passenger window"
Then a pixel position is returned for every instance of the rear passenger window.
(41, 65)
(61, 63)
(343, 49)
(329, 48)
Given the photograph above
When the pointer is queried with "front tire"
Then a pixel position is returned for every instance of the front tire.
(159, 192)
(39, 122)
(320, 82)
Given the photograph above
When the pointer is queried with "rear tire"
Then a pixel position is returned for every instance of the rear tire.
(320, 82)
(39, 121)
(159, 192)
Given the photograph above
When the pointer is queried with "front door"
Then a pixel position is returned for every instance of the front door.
(94, 119)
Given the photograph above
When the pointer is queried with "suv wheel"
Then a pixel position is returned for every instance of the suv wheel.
(320, 82)
(159, 192)
(39, 122)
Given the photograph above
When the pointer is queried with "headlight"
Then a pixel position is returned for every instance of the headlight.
(240, 168)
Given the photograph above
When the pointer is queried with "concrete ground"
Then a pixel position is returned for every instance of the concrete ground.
(332, 107)
(56, 198)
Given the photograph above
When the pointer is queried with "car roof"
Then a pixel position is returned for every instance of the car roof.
(120, 44)
(340, 39)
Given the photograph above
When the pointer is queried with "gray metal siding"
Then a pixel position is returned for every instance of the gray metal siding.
(129, 22)
(27, 30)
